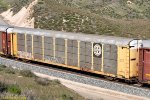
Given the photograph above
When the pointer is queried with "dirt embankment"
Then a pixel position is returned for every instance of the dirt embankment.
(23, 18)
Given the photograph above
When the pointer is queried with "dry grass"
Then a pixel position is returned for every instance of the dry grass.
(29, 87)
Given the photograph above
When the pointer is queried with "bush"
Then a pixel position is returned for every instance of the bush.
(14, 89)
(55, 82)
(10, 70)
(27, 73)
(42, 81)
(3, 87)
(67, 97)
(2, 67)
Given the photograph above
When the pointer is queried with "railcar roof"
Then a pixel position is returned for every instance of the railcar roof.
(3, 28)
(146, 43)
(75, 36)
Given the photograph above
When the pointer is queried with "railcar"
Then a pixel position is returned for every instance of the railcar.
(116, 57)
(144, 62)
(5, 40)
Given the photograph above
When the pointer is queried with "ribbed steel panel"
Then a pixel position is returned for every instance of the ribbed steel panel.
(72, 43)
(110, 48)
(97, 67)
(21, 36)
(21, 42)
(60, 41)
(29, 49)
(21, 48)
(110, 66)
(72, 53)
(29, 43)
(60, 48)
(110, 59)
(97, 60)
(37, 38)
(21, 39)
(29, 37)
(38, 50)
(60, 54)
(48, 46)
(110, 55)
(85, 55)
(48, 40)
(37, 45)
(48, 52)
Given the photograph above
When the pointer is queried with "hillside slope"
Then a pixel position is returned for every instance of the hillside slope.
(114, 8)
(84, 16)
(129, 18)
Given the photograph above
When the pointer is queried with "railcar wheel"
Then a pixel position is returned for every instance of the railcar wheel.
(110, 78)
(129, 81)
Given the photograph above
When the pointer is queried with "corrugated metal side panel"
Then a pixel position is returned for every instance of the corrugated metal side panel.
(60, 51)
(29, 43)
(37, 47)
(21, 42)
(85, 55)
(110, 59)
(48, 48)
(72, 53)
(146, 71)
(97, 64)
(0, 41)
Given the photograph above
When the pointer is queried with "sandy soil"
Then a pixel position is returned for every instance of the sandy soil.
(22, 18)
(2, 22)
(92, 92)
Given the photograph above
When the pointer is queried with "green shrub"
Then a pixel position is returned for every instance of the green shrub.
(14, 89)
(27, 73)
(42, 81)
(2, 67)
(3, 87)
(67, 97)
(55, 82)
(10, 70)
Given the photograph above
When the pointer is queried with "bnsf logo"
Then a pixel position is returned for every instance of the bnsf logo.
(97, 49)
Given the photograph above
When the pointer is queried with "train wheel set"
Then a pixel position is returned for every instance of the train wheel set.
(114, 57)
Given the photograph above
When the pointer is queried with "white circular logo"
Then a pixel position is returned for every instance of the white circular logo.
(97, 50)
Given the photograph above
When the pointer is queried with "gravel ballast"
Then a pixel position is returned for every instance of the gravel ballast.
(77, 78)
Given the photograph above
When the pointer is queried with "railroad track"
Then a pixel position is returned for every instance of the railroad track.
(77, 77)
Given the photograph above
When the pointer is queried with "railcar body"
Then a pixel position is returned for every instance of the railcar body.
(5, 40)
(110, 56)
(144, 62)
(106, 55)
